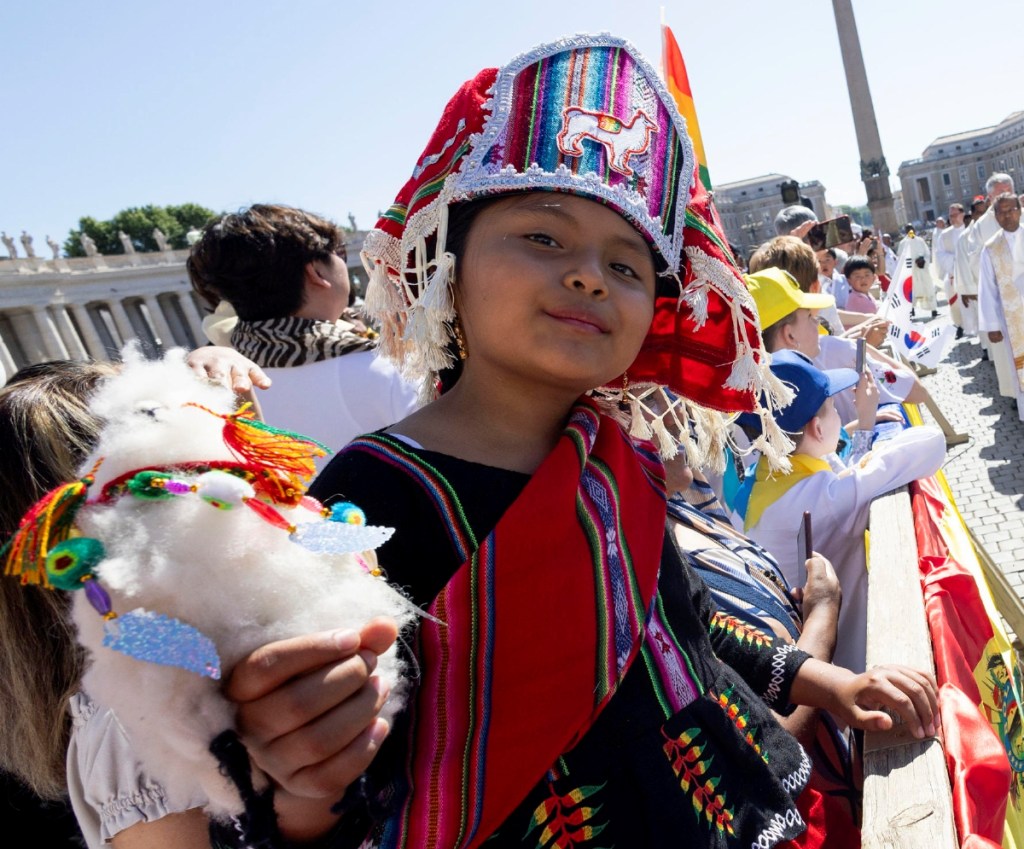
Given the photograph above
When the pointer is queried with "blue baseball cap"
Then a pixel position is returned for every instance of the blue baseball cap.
(811, 388)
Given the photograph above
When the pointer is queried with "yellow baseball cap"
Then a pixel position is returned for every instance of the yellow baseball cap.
(776, 294)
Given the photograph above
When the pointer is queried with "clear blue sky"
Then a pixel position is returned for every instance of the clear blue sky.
(325, 104)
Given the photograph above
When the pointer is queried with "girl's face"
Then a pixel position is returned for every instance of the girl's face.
(556, 289)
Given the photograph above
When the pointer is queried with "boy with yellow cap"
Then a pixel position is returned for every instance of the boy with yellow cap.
(789, 321)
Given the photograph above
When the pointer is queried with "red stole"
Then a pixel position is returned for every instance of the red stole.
(540, 626)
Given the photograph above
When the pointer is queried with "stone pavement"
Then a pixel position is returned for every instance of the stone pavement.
(987, 473)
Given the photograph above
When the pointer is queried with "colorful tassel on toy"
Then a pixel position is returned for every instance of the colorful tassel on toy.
(286, 456)
(47, 523)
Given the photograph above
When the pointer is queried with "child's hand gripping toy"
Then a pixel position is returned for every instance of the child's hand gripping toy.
(193, 543)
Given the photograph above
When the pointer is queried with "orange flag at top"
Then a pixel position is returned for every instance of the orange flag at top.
(678, 84)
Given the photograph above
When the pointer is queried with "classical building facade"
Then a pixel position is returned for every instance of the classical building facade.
(89, 307)
(748, 207)
(954, 168)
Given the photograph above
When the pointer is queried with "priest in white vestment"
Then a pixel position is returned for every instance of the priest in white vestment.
(982, 229)
(1001, 292)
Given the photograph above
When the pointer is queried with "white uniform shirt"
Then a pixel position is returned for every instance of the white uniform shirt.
(968, 252)
(839, 505)
(890, 261)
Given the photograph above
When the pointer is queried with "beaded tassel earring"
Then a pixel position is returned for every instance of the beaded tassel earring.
(460, 340)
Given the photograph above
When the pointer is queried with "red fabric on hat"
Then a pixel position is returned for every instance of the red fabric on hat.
(697, 361)
(446, 143)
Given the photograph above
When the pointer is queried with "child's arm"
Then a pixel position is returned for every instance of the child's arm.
(916, 452)
(186, 830)
(859, 699)
(307, 712)
(820, 598)
(917, 394)
(865, 403)
(874, 330)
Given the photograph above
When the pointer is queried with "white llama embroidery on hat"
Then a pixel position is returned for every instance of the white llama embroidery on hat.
(622, 138)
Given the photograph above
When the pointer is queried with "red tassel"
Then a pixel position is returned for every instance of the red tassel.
(269, 514)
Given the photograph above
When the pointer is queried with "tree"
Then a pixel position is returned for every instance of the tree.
(859, 214)
(138, 223)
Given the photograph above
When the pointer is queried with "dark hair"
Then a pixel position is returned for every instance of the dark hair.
(857, 263)
(47, 431)
(460, 219)
(256, 258)
(1007, 196)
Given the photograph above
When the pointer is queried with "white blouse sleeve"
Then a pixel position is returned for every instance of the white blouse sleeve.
(109, 788)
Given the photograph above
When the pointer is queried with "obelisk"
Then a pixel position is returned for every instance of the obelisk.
(874, 171)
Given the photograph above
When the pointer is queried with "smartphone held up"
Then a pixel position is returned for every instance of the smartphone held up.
(828, 234)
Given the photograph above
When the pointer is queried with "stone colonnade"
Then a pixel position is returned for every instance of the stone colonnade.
(90, 313)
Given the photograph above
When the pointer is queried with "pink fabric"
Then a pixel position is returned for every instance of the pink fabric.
(859, 302)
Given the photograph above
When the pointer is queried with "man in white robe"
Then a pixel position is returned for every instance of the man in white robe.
(890, 255)
(933, 240)
(944, 255)
(1001, 291)
(924, 285)
(968, 257)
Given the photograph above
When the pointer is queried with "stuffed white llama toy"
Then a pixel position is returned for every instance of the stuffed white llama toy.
(195, 545)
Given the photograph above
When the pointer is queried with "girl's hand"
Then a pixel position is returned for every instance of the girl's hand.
(227, 367)
(308, 713)
(911, 694)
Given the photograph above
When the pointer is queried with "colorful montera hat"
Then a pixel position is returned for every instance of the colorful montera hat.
(586, 115)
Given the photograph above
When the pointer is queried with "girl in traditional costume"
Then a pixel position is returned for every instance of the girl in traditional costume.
(552, 259)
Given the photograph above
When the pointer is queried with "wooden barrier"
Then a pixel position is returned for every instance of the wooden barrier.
(907, 798)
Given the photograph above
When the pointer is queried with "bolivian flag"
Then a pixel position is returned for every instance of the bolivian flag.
(977, 670)
(678, 85)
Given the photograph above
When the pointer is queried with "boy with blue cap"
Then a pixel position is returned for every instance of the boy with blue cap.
(837, 497)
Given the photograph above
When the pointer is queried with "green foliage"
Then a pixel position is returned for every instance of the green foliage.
(859, 214)
(138, 223)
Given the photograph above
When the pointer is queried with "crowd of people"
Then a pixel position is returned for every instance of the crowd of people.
(596, 435)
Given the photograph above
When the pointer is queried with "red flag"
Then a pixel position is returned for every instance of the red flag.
(977, 673)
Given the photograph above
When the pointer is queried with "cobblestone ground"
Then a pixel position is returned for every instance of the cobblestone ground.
(987, 473)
